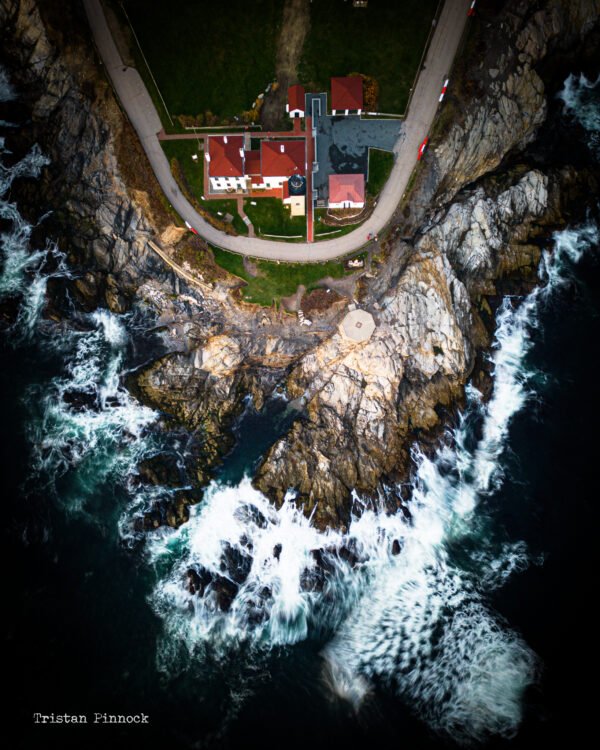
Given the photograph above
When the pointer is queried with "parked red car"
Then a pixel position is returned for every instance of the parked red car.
(422, 148)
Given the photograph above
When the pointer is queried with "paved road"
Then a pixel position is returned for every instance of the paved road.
(141, 111)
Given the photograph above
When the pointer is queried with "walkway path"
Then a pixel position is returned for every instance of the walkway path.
(244, 215)
(140, 109)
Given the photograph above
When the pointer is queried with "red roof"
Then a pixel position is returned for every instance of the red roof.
(296, 97)
(282, 158)
(347, 93)
(225, 157)
(346, 187)
(252, 162)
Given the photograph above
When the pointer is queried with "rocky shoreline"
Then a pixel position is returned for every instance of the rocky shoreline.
(482, 202)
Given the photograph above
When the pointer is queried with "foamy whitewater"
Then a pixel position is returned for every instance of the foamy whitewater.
(418, 620)
(400, 601)
(581, 98)
(84, 424)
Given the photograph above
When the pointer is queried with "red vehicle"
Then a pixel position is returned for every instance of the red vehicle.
(471, 11)
(422, 148)
(444, 88)
(190, 227)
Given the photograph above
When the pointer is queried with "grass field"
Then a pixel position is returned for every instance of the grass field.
(270, 216)
(322, 231)
(276, 280)
(207, 57)
(193, 171)
(380, 166)
(384, 40)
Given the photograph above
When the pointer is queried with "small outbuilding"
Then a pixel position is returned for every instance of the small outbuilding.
(295, 103)
(346, 191)
(346, 95)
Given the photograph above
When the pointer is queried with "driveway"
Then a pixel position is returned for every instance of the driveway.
(343, 145)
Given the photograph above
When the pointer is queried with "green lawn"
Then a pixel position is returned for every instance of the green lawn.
(271, 216)
(380, 166)
(322, 230)
(384, 40)
(208, 57)
(276, 280)
(193, 171)
(226, 206)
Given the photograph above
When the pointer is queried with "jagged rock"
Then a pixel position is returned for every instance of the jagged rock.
(479, 235)
(354, 431)
(498, 105)
(220, 356)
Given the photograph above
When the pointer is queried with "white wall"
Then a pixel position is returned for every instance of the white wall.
(346, 204)
(224, 183)
(271, 182)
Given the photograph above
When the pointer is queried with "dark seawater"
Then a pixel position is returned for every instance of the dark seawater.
(478, 631)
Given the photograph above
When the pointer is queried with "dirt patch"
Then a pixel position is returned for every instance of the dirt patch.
(293, 302)
(294, 27)
(172, 235)
(319, 300)
(251, 268)
(345, 287)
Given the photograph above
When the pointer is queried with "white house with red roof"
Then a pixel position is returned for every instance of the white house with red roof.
(346, 191)
(226, 162)
(346, 95)
(279, 160)
(296, 101)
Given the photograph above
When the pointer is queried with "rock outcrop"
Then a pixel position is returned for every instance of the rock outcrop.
(365, 401)
(75, 117)
(497, 101)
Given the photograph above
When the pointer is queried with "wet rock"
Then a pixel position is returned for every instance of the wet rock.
(197, 579)
(349, 553)
(81, 400)
(235, 563)
(225, 592)
(277, 551)
(396, 547)
(162, 470)
(251, 514)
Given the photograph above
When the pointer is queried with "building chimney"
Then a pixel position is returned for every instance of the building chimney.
(224, 139)
(281, 147)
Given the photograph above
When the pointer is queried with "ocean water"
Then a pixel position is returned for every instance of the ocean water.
(459, 623)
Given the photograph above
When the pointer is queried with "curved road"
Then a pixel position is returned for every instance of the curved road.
(138, 105)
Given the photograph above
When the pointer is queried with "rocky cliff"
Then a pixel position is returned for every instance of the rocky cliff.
(473, 221)
(365, 401)
(497, 100)
(102, 219)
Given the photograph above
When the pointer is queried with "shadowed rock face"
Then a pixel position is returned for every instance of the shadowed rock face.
(496, 101)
